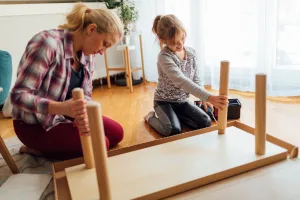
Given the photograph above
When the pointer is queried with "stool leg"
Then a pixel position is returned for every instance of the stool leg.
(126, 68)
(129, 69)
(7, 157)
(107, 70)
(142, 57)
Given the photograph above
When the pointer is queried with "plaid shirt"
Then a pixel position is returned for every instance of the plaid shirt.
(44, 74)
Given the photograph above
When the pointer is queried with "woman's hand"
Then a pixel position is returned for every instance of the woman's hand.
(72, 108)
(79, 112)
(220, 102)
(69, 108)
(82, 123)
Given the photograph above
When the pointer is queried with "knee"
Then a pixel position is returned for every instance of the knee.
(107, 143)
(206, 122)
(119, 133)
(113, 131)
(172, 130)
(115, 134)
(176, 130)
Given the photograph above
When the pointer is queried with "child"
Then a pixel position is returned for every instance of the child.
(178, 77)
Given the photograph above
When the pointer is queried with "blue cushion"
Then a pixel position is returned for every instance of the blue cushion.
(5, 74)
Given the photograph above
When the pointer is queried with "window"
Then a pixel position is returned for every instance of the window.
(288, 35)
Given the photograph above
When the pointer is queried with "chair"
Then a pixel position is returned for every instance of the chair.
(8, 158)
(5, 81)
(127, 66)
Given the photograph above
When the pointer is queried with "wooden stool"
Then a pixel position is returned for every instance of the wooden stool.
(127, 66)
(6, 155)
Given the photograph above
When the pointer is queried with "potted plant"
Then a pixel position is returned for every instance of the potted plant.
(112, 4)
(129, 14)
(126, 38)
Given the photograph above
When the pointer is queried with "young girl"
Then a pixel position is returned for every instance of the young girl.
(178, 77)
(54, 63)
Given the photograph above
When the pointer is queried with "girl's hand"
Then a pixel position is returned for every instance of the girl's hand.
(220, 102)
(206, 105)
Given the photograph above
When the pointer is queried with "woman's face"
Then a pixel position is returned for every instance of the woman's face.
(95, 43)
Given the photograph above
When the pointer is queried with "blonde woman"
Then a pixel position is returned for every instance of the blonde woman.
(54, 63)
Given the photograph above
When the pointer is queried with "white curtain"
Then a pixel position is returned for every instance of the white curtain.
(256, 36)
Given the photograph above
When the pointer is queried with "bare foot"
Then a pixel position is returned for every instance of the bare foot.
(33, 152)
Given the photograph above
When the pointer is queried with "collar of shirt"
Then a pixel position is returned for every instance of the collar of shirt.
(68, 49)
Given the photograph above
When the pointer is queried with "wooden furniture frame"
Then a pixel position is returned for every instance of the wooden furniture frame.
(61, 187)
(6, 155)
(8, 158)
(72, 176)
(127, 64)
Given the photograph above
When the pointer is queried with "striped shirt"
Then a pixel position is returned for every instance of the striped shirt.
(44, 74)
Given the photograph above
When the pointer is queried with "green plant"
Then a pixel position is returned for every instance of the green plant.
(129, 12)
(112, 4)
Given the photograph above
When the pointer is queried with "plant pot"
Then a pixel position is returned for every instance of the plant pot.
(126, 39)
(130, 25)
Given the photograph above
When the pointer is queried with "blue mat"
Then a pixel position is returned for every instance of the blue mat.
(5, 74)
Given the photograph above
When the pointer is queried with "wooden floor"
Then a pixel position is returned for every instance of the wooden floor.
(129, 109)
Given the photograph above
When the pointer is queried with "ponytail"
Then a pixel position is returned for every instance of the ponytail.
(166, 27)
(155, 24)
(76, 18)
(81, 16)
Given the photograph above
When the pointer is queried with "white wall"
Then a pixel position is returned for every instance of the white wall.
(18, 23)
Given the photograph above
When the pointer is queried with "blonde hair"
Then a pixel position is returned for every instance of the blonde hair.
(165, 27)
(81, 16)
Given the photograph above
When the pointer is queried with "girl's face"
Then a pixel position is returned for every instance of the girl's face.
(178, 42)
(95, 43)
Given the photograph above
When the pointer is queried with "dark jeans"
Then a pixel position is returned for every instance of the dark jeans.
(170, 116)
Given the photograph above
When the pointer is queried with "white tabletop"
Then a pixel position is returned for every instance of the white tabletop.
(122, 47)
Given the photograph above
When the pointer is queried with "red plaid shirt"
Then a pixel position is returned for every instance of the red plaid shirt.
(44, 74)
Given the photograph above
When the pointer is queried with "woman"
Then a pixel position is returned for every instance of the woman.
(54, 63)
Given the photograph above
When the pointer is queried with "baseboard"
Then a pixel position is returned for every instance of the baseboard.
(1, 115)
(113, 78)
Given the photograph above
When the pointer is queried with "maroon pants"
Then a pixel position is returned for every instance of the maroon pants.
(62, 142)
